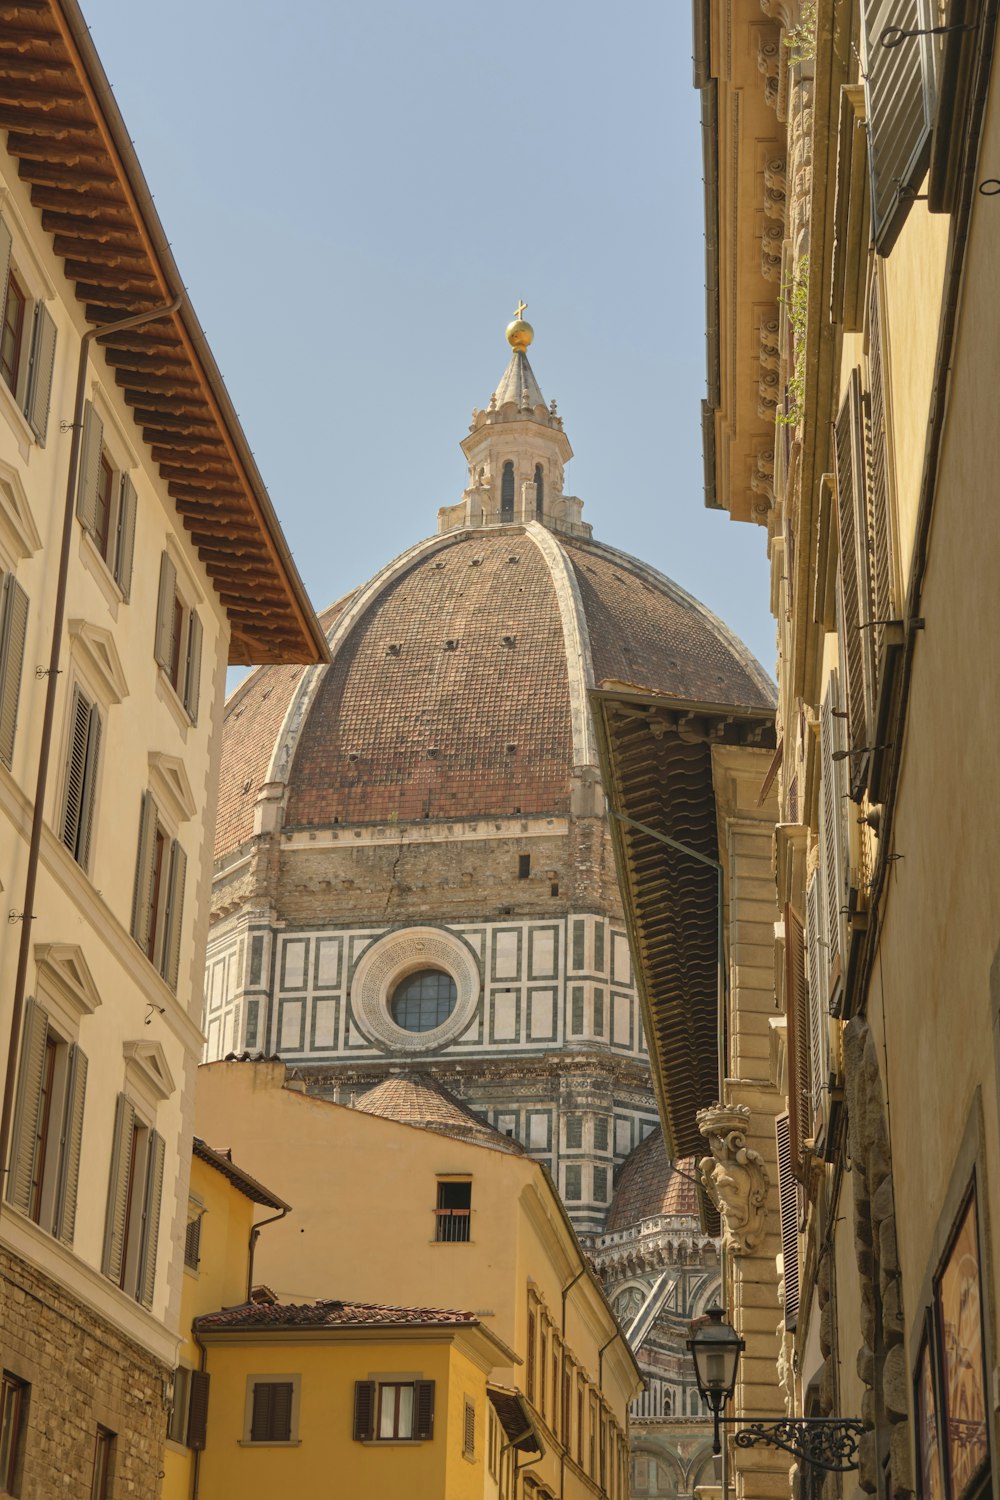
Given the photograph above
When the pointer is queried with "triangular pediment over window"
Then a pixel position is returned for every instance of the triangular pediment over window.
(63, 974)
(19, 535)
(95, 649)
(168, 781)
(146, 1064)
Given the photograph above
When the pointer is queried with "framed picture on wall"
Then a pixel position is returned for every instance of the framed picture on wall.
(930, 1474)
(959, 1328)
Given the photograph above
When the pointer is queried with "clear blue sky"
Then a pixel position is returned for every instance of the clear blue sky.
(357, 195)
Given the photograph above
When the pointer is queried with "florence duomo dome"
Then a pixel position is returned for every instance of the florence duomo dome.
(414, 866)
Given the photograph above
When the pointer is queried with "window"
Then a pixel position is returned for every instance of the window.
(271, 1418)
(539, 490)
(573, 1185)
(27, 341)
(469, 1430)
(82, 767)
(48, 1126)
(188, 1418)
(13, 1425)
(192, 1242)
(178, 640)
(523, 866)
(424, 1000)
(132, 1226)
(158, 896)
(454, 1211)
(574, 1132)
(576, 1021)
(106, 503)
(13, 629)
(600, 1184)
(507, 492)
(104, 1457)
(900, 89)
(393, 1411)
(600, 1132)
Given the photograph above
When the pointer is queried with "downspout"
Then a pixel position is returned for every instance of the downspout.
(203, 1367)
(254, 1236)
(52, 676)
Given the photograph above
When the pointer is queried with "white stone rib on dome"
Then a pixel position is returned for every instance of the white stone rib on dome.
(576, 635)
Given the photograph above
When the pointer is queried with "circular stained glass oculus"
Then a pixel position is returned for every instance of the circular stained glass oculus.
(424, 1000)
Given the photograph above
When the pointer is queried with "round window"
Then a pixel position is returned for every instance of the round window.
(424, 1000)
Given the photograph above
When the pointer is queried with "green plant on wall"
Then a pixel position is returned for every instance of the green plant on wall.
(801, 40)
(795, 301)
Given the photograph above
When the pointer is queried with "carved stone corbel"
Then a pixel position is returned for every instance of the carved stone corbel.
(774, 188)
(735, 1177)
(772, 235)
(762, 482)
(769, 66)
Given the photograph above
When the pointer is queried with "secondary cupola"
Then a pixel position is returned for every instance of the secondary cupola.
(517, 452)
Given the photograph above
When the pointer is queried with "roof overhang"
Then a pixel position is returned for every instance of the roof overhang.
(65, 131)
(656, 763)
(242, 1181)
(515, 1417)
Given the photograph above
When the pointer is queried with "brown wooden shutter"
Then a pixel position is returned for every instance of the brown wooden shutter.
(197, 1424)
(125, 546)
(364, 1411)
(163, 648)
(116, 1223)
(70, 1146)
(469, 1430)
(529, 1383)
(192, 1242)
(192, 674)
(142, 891)
(797, 1010)
(788, 1203)
(24, 1139)
(271, 1421)
(880, 539)
(90, 468)
(152, 1196)
(423, 1409)
(13, 632)
(855, 581)
(173, 915)
(899, 85)
(40, 369)
(5, 247)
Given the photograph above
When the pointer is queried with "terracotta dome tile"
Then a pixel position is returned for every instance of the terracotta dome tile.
(650, 1187)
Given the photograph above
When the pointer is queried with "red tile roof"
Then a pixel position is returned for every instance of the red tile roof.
(649, 1187)
(262, 1315)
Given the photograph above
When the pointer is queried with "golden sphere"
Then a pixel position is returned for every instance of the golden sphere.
(519, 334)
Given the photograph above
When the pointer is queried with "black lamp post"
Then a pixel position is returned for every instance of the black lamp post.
(829, 1443)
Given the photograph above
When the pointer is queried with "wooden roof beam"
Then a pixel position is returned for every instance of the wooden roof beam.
(46, 96)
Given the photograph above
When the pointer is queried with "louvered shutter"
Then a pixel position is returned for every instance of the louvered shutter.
(70, 1147)
(197, 1424)
(469, 1431)
(192, 675)
(818, 991)
(43, 358)
(177, 1421)
(364, 1411)
(90, 468)
(797, 1009)
(126, 537)
(272, 1412)
(76, 771)
(423, 1409)
(142, 892)
(116, 1223)
(788, 1204)
(13, 631)
(146, 1278)
(164, 646)
(89, 795)
(5, 247)
(880, 540)
(173, 915)
(831, 831)
(899, 89)
(24, 1139)
(855, 579)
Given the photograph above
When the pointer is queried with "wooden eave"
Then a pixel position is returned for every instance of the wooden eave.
(70, 143)
(656, 764)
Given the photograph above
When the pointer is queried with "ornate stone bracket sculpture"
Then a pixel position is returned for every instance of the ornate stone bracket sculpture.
(735, 1177)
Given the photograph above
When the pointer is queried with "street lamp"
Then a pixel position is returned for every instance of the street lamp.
(829, 1443)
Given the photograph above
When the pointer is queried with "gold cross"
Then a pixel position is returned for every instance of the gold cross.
(521, 306)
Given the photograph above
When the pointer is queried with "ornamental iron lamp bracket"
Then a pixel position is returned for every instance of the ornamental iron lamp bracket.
(829, 1443)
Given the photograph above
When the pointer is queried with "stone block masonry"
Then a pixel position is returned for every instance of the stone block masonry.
(83, 1373)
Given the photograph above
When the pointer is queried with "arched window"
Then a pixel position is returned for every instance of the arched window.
(507, 492)
(539, 490)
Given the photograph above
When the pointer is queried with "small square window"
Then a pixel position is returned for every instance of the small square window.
(454, 1211)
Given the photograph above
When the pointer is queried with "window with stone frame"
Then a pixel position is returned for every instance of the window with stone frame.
(187, 1419)
(106, 502)
(135, 1191)
(393, 1411)
(14, 1397)
(178, 639)
(83, 763)
(158, 893)
(47, 1131)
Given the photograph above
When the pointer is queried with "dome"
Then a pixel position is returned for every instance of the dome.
(651, 1187)
(457, 687)
(419, 1099)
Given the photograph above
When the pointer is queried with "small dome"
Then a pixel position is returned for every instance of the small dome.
(418, 1099)
(650, 1187)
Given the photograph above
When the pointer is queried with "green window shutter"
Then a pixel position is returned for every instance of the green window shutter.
(192, 675)
(125, 544)
(13, 630)
(142, 893)
(899, 88)
(90, 468)
(24, 1139)
(5, 246)
(364, 1411)
(89, 787)
(116, 1223)
(174, 915)
(152, 1197)
(70, 1146)
(423, 1409)
(42, 364)
(197, 1426)
(163, 649)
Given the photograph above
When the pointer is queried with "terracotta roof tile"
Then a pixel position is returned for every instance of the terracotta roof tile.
(649, 1187)
(332, 1314)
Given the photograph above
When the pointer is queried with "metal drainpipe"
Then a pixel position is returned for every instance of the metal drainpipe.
(254, 1236)
(196, 1465)
(44, 749)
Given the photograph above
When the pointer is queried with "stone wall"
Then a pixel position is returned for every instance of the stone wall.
(82, 1373)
